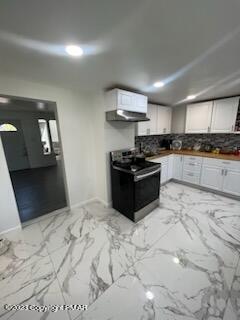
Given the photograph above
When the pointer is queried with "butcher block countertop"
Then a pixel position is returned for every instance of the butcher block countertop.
(196, 154)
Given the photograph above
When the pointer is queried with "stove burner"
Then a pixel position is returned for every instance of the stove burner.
(135, 168)
(124, 161)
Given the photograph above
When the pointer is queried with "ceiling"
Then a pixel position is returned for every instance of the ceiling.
(193, 46)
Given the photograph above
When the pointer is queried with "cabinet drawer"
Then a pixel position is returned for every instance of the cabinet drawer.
(192, 159)
(191, 177)
(192, 166)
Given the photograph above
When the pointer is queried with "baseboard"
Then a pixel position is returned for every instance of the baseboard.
(83, 203)
(106, 204)
(11, 229)
(196, 186)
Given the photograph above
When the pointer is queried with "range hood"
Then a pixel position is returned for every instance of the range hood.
(123, 115)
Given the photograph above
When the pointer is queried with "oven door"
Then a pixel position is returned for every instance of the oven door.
(147, 187)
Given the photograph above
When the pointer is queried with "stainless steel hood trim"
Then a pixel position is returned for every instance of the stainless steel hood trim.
(123, 115)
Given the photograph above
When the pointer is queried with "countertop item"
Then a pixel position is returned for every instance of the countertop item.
(197, 146)
(177, 145)
(197, 154)
(208, 148)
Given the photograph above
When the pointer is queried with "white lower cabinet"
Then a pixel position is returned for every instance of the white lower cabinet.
(164, 168)
(215, 174)
(177, 167)
(164, 173)
(221, 175)
(231, 182)
(212, 177)
(170, 166)
(192, 169)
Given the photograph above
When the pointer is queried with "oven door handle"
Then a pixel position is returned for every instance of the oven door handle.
(146, 175)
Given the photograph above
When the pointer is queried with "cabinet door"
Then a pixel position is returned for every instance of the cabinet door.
(126, 100)
(152, 114)
(177, 167)
(148, 127)
(143, 128)
(164, 120)
(141, 103)
(198, 118)
(212, 177)
(164, 172)
(170, 166)
(231, 183)
(224, 115)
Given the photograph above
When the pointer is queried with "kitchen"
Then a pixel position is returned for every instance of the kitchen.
(204, 155)
(147, 103)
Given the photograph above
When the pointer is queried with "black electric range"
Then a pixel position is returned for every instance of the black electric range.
(135, 184)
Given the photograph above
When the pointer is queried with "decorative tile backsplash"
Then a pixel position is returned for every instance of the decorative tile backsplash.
(237, 128)
(219, 140)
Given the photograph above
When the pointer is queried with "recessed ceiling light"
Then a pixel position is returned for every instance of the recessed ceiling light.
(158, 84)
(149, 295)
(176, 260)
(4, 100)
(74, 51)
(191, 97)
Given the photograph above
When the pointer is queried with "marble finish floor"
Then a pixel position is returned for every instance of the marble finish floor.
(180, 262)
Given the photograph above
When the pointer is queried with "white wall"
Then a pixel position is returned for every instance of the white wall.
(109, 136)
(8, 210)
(75, 115)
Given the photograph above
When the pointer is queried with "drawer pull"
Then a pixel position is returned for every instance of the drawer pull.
(192, 164)
(190, 174)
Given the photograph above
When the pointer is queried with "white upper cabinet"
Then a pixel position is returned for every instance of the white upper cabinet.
(164, 120)
(141, 103)
(160, 121)
(153, 116)
(148, 127)
(224, 115)
(198, 119)
(126, 100)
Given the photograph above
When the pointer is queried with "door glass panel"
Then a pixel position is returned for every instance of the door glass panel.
(46, 145)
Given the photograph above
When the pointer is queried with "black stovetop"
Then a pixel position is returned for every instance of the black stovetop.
(135, 166)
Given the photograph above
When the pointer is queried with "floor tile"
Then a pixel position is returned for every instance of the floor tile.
(187, 279)
(36, 285)
(221, 218)
(176, 197)
(90, 265)
(60, 230)
(178, 263)
(233, 307)
(27, 246)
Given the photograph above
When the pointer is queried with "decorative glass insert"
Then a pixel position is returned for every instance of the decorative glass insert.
(7, 127)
